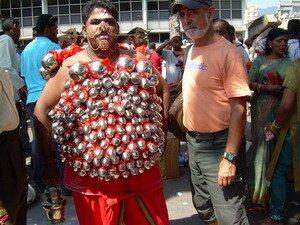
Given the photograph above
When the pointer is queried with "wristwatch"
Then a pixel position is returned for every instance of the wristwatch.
(230, 156)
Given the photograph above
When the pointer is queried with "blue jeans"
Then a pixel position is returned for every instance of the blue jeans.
(36, 156)
(212, 202)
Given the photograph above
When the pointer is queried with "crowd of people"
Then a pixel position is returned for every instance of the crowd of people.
(99, 121)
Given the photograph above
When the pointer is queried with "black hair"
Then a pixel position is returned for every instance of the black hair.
(227, 25)
(44, 21)
(8, 23)
(152, 45)
(93, 4)
(274, 33)
(177, 36)
(293, 29)
(122, 38)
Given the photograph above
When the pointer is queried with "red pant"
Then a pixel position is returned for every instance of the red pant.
(145, 209)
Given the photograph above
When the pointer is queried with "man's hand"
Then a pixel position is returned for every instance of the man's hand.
(227, 171)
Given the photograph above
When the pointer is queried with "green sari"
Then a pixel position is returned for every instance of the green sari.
(264, 107)
(292, 82)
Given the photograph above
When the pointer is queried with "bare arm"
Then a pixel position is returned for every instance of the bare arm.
(48, 98)
(159, 50)
(163, 91)
(227, 170)
(287, 106)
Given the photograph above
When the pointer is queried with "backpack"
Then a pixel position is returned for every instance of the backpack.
(176, 126)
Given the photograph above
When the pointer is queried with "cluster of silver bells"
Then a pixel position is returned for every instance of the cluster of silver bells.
(108, 123)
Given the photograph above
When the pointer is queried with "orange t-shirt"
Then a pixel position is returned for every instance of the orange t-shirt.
(213, 74)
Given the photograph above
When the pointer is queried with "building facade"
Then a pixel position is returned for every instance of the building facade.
(289, 9)
(148, 14)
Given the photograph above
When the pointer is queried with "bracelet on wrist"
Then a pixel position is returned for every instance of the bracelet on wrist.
(274, 127)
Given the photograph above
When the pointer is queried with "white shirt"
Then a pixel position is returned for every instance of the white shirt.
(9, 61)
(293, 49)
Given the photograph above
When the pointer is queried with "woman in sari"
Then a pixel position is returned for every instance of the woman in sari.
(266, 76)
(287, 151)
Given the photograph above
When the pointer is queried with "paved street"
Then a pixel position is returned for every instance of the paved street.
(178, 197)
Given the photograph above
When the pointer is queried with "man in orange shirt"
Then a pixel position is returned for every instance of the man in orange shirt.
(215, 92)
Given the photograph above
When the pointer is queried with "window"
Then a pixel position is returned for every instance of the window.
(61, 2)
(52, 2)
(37, 11)
(125, 6)
(164, 5)
(164, 15)
(26, 12)
(125, 16)
(75, 19)
(152, 15)
(27, 22)
(154, 37)
(136, 6)
(37, 3)
(228, 9)
(64, 20)
(158, 10)
(215, 4)
(137, 16)
(16, 13)
(152, 5)
(236, 4)
(53, 10)
(225, 14)
(5, 5)
(225, 4)
(75, 8)
(159, 37)
(63, 9)
(236, 14)
(5, 13)
(164, 36)
(15, 4)
(26, 3)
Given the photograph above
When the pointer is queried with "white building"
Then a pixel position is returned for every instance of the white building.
(148, 14)
(289, 9)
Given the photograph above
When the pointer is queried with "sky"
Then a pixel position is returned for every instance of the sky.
(265, 3)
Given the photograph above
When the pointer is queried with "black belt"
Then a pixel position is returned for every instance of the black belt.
(194, 134)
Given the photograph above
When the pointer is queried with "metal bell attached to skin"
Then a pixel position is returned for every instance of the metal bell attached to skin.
(78, 71)
(98, 70)
(125, 63)
(45, 73)
(49, 62)
(144, 67)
